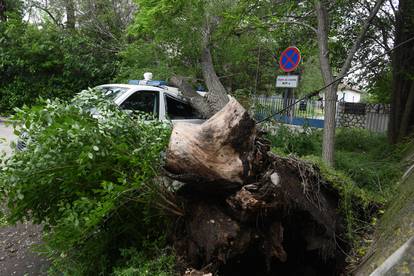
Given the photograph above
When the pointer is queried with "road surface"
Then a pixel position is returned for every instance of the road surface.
(16, 241)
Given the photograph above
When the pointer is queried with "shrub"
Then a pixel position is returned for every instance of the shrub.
(47, 62)
(90, 181)
(301, 143)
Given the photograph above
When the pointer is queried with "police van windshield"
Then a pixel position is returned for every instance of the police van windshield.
(112, 92)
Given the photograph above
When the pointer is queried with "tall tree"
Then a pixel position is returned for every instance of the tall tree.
(327, 71)
(402, 103)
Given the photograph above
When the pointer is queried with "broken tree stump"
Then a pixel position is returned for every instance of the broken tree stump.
(279, 217)
(218, 150)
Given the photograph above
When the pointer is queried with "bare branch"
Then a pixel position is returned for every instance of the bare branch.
(40, 7)
(360, 38)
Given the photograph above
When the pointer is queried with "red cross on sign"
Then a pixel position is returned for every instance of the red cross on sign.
(289, 59)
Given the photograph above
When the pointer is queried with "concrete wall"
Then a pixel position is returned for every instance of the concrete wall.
(373, 117)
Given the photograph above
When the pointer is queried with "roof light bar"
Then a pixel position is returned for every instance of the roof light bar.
(151, 83)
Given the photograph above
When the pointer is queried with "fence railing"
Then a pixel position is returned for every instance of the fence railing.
(373, 117)
(265, 106)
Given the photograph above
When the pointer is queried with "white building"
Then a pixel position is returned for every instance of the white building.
(347, 94)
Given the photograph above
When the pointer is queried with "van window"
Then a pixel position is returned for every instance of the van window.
(112, 92)
(180, 110)
(144, 101)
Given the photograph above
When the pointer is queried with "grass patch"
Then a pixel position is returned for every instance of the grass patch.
(395, 226)
(366, 158)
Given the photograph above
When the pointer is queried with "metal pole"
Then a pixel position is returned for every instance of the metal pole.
(285, 99)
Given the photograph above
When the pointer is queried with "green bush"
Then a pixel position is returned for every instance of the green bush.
(288, 141)
(91, 180)
(47, 62)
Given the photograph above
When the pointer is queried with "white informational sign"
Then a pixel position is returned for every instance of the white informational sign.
(287, 81)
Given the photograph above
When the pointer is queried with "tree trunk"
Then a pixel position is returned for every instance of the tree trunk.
(3, 16)
(330, 93)
(217, 96)
(70, 14)
(328, 145)
(196, 100)
(247, 211)
(402, 112)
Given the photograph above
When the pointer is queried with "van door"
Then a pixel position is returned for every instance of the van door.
(181, 111)
(142, 101)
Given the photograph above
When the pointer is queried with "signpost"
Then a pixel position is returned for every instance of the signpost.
(290, 81)
(288, 62)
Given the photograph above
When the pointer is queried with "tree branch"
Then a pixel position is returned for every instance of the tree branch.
(297, 23)
(360, 38)
(48, 13)
(196, 100)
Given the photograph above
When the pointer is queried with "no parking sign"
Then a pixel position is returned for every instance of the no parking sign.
(289, 59)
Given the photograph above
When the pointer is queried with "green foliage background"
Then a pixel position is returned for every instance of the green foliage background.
(46, 61)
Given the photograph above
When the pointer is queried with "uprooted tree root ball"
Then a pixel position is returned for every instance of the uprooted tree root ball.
(249, 211)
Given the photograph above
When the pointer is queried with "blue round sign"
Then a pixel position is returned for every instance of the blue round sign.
(289, 59)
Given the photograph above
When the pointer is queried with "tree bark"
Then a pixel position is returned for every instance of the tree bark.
(407, 116)
(196, 100)
(70, 14)
(402, 112)
(330, 92)
(218, 150)
(217, 95)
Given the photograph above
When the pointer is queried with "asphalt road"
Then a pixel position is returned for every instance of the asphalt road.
(6, 133)
(16, 253)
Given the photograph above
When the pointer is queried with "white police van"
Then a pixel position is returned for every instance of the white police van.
(153, 97)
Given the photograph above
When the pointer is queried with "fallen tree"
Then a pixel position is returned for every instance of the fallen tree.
(247, 211)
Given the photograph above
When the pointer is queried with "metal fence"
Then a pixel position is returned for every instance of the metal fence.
(306, 112)
(373, 117)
